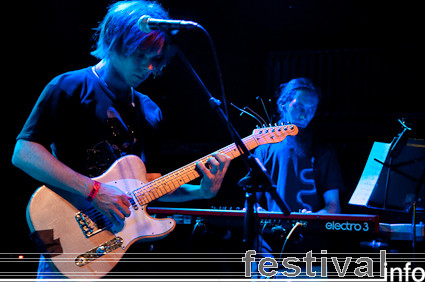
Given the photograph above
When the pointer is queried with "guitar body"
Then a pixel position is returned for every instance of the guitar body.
(54, 218)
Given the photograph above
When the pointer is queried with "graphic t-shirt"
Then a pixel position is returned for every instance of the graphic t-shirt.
(86, 127)
(301, 179)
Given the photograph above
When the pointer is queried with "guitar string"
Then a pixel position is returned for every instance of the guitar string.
(178, 176)
(156, 189)
(144, 193)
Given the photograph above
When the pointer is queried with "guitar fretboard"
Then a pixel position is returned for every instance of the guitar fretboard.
(173, 180)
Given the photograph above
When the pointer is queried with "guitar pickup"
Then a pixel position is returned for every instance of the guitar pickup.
(132, 201)
(98, 251)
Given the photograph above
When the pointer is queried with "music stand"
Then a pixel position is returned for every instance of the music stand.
(401, 180)
(394, 182)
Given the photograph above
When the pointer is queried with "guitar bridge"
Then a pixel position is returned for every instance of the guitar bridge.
(89, 226)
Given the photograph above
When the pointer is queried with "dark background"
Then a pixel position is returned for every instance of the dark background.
(366, 56)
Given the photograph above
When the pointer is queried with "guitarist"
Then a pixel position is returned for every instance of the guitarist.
(86, 119)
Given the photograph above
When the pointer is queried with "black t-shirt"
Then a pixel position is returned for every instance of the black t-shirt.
(87, 128)
(301, 179)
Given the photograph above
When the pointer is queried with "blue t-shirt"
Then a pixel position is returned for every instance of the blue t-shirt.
(87, 127)
(301, 179)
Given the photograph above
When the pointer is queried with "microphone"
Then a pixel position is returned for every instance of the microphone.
(147, 24)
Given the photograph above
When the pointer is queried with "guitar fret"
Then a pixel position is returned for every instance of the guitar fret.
(163, 190)
(149, 195)
(155, 193)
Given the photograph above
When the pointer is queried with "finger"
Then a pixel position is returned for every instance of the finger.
(124, 206)
(126, 211)
(205, 171)
(111, 216)
(219, 156)
(214, 165)
(126, 200)
(227, 161)
(117, 215)
(305, 211)
(223, 159)
(220, 159)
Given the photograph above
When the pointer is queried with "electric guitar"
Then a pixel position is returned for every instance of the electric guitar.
(79, 242)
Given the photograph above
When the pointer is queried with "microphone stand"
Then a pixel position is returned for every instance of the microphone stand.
(254, 165)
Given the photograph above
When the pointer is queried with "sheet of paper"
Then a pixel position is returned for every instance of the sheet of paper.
(370, 174)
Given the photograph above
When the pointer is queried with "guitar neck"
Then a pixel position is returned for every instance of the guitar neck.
(173, 180)
(170, 182)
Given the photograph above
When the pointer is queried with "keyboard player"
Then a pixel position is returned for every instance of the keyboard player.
(305, 170)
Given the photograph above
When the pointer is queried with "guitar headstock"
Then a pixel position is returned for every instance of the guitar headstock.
(274, 134)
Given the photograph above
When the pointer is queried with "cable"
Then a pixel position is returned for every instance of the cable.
(260, 243)
(257, 115)
(248, 113)
(198, 225)
(288, 236)
(265, 109)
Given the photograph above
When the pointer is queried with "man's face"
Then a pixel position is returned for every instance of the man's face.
(300, 111)
(136, 68)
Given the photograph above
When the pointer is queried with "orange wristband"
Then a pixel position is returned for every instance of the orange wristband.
(93, 192)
